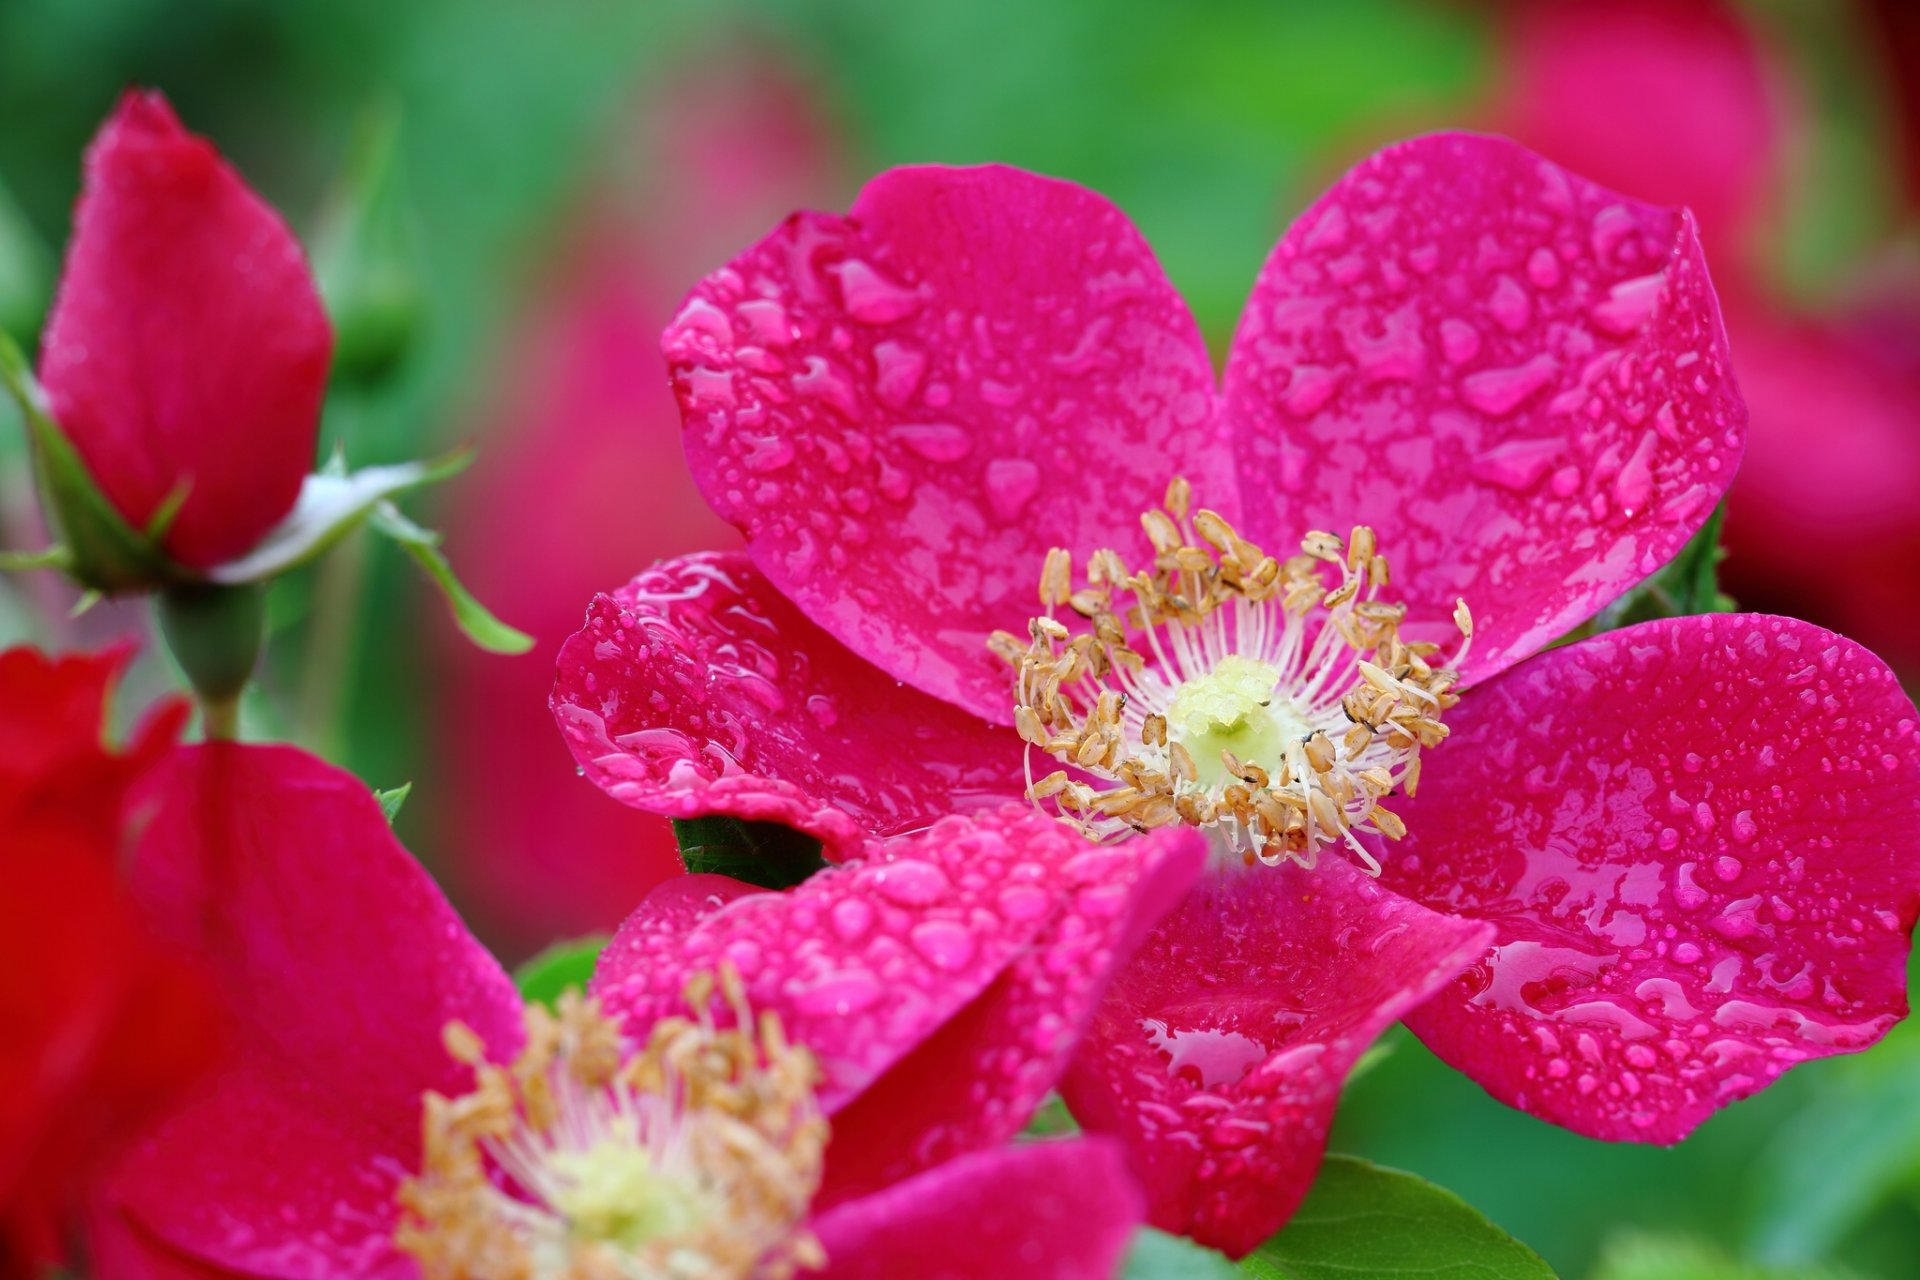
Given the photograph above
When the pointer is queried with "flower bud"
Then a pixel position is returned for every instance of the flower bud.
(186, 357)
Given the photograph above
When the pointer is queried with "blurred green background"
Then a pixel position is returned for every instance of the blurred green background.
(506, 200)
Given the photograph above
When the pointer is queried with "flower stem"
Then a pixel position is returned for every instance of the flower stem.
(220, 718)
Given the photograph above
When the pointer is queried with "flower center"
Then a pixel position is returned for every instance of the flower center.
(1274, 702)
(696, 1156)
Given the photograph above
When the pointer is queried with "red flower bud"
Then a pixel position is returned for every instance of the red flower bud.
(188, 345)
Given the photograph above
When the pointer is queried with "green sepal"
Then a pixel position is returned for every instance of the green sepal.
(333, 502)
(104, 552)
(215, 633)
(54, 557)
(473, 618)
(562, 967)
(1364, 1220)
(391, 800)
(761, 853)
(365, 254)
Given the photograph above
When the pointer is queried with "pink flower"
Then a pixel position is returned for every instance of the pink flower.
(187, 345)
(1699, 110)
(939, 993)
(1677, 102)
(105, 1024)
(1669, 860)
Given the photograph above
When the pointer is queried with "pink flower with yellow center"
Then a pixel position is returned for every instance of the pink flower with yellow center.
(1620, 883)
(826, 1079)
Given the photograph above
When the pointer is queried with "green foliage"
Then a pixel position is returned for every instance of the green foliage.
(1363, 1220)
(1638, 1256)
(26, 271)
(391, 800)
(364, 254)
(1051, 1119)
(762, 853)
(1156, 1255)
(562, 967)
(1853, 1147)
(475, 621)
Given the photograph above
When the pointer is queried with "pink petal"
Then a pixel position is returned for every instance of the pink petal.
(1696, 841)
(272, 1174)
(1218, 1057)
(1834, 460)
(975, 1082)
(1045, 1210)
(343, 964)
(117, 1247)
(697, 688)
(904, 407)
(1691, 114)
(1517, 377)
(866, 961)
(187, 343)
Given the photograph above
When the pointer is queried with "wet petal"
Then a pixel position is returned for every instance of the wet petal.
(270, 1175)
(865, 962)
(1517, 377)
(904, 407)
(975, 1082)
(1045, 1210)
(697, 688)
(117, 1247)
(1696, 841)
(343, 963)
(1219, 1054)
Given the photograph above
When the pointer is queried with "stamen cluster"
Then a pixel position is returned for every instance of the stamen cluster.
(1214, 646)
(697, 1156)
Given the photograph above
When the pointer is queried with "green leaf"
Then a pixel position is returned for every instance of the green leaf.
(562, 967)
(762, 853)
(332, 503)
(1051, 1119)
(106, 553)
(365, 254)
(1689, 584)
(391, 800)
(1638, 1256)
(1155, 1255)
(1363, 1220)
(475, 621)
(1845, 1154)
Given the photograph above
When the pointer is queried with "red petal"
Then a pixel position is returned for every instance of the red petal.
(1043, 1210)
(1011, 917)
(273, 1173)
(1218, 1057)
(187, 343)
(974, 1083)
(1696, 839)
(697, 688)
(1517, 377)
(905, 407)
(343, 964)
